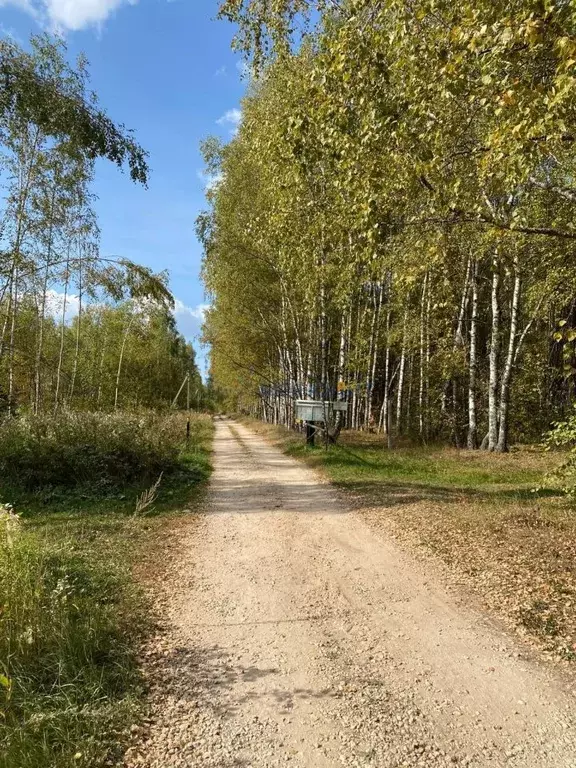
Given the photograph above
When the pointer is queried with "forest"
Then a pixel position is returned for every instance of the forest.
(78, 329)
(393, 224)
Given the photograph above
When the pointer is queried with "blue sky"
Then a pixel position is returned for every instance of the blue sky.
(164, 68)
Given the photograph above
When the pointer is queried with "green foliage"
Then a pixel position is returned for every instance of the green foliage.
(128, 355)
(40, 88)
(397, 209)
(96, 450)
(51, 131)
(563, 436)
(68, 628)
(71, 616)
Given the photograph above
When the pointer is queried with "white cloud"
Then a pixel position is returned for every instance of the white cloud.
(209, 180)
(221, 71)
(55, 305)
(233, 117)
(24, 4)
(9, 32)
(70, 14)
(190, 319)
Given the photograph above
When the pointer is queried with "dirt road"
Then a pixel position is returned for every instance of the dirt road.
(296, 636)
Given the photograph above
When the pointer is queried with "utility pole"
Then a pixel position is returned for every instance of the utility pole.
(188, 409)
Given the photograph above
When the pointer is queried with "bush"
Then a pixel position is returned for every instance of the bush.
(68, 679)
(563, 436)
(74, 449)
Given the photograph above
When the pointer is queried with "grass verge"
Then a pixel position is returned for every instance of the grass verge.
(72, 616)
(477, 513)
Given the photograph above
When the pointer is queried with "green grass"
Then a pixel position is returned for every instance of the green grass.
(437, 468)
(72, 615)
(410, 474)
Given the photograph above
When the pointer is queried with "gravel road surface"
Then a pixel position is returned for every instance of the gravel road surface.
(296, 636)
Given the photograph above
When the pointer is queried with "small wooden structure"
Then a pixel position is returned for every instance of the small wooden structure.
(313, 412)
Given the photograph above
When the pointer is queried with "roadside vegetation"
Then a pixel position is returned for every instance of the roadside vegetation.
(487, 520)
(394, 220)
(93, 462)
(72, 615)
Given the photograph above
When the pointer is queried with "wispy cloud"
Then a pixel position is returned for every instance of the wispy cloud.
(189, 319)
(221, 72)
(209, 180)
(55, 305)
(232, 118)
(70, 15)
(26, 5)
(9, 32)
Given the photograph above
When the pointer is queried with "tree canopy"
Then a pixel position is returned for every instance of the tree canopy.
(394, 224)
(40, 87)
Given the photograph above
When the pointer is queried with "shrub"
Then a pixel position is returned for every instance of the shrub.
(68, 624)
(563, 436)
(74, 449)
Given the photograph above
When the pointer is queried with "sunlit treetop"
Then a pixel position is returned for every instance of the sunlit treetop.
(42, 88)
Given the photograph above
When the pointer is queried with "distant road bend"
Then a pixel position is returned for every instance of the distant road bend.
(297, 636)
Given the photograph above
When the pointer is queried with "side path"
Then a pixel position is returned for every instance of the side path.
(296, 636)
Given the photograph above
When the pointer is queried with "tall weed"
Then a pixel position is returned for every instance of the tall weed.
(101, 450)
(68, 625)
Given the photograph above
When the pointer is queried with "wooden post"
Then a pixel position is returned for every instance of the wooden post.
(310, 432)
(188, 409)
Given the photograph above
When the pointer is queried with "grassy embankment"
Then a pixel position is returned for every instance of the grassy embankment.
(71, 613)
(478, 513)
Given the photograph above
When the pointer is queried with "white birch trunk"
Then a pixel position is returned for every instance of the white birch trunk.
(472, 439)
(502, 444)
(493, 361)
(400, 392)
(422, 356)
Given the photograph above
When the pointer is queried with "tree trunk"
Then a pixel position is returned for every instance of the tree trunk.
(493, 360)
(62, 333)
(472, 439)
(41, 320)
(101, 367)
(422, 356)
(121, 361)
(502, 445)
(401, 375)
(385, 416)
(373, 330)
(427, 379)
(410, 389)
(12, 341)
(40, 345)
(78, 330)
(458, 335)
